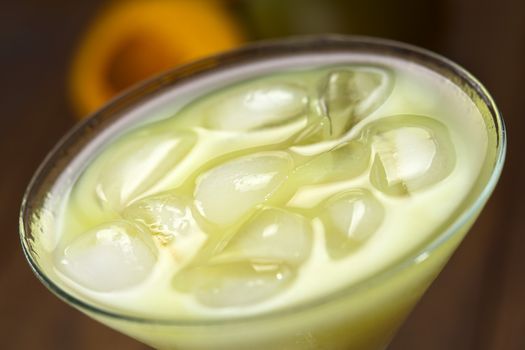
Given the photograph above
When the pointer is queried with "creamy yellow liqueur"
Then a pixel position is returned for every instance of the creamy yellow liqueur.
(268, 192)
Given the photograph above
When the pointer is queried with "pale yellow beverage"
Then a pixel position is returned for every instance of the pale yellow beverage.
(299, 200)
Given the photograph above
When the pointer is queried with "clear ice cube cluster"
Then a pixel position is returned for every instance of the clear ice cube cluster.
(234, 237)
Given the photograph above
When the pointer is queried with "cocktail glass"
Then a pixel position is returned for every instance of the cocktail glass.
(360, 316)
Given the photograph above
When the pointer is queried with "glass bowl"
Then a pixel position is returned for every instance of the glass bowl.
(361, 316)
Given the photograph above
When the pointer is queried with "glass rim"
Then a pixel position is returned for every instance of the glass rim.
(265, 49)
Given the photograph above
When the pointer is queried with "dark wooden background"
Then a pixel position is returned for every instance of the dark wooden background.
(478, 302)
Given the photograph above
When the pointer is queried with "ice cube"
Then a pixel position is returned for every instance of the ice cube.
(264, 104)
(234, 284)
(350, 218)
(350, 94)
(132, 165)
(111, 257)
(346, 161)
(225, 193)
(169, 218)
(410, 153)
(272, 234)
(165, 215)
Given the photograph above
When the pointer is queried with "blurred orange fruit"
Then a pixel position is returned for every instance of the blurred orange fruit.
(135, 39)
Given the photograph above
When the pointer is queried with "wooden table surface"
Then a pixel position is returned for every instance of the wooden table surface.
(478, 301)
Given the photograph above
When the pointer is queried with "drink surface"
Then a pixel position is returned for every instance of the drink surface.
(270, 191)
